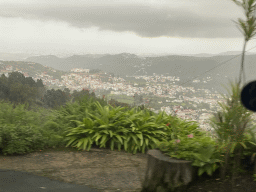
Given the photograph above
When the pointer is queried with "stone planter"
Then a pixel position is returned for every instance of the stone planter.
(166, 174)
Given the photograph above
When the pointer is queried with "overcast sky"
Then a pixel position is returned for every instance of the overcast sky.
(116, 26)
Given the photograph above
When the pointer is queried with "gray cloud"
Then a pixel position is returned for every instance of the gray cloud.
(145, 21)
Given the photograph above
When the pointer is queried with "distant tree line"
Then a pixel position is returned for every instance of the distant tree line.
(18, 89)
(92, 71)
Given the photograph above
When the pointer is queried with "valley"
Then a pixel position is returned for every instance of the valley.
(196, 101)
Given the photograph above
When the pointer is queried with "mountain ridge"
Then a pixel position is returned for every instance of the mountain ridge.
(187, 68)
(220, 67)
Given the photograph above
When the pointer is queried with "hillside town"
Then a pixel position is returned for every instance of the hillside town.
(78, 79)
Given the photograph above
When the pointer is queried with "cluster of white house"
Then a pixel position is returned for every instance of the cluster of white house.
(79, 79)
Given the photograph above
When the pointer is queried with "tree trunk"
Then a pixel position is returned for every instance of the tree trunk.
(236, 166)
(242, 63)
(226, 163)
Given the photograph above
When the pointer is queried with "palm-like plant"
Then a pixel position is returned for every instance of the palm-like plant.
(230, 126)
(248, 27)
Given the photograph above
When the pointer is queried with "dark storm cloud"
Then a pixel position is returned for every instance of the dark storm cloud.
(145, 21)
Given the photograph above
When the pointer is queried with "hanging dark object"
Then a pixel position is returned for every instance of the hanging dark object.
(248, 96)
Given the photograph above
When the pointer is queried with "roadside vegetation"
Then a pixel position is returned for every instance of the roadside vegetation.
(90, 122)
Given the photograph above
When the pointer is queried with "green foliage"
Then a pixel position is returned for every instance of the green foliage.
(18, 89)
(232, 127)
(24, 90)
(108, 124)
(250, 143)
(254, 176)
(20, 139)
(199, 149)
(86, 121)
(206, 161)
(115, 103)
(89, 120)
(20, 130)
(247, 27)
(54, 98)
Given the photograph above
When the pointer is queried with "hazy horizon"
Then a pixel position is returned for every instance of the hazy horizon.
(63, 54)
